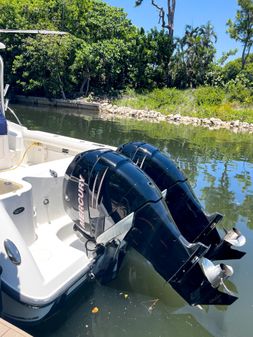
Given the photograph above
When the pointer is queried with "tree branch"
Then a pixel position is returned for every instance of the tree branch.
(161, 13)
(163, 17)
(170, 15)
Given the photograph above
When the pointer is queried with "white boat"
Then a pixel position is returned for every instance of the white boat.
(60, 229)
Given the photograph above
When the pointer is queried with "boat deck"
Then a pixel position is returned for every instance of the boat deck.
(8, 186)
(9, 330)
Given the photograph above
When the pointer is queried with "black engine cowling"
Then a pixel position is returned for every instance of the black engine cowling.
(102, 187)
(187, 212)
(112, 201)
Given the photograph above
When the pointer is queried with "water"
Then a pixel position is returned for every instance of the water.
(219, 165)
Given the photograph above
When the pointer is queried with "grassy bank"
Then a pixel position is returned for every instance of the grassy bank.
(204, 102)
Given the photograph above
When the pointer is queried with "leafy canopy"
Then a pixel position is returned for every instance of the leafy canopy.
(241, 29)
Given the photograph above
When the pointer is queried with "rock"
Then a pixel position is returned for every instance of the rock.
(206, 121)
(107, 110)
(235, 124)
(215, 121)
(245, 125)
(177, 117)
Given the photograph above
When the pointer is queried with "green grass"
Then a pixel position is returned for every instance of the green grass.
(203, 102)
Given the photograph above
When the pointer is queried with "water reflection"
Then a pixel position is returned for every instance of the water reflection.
(219, 165)
(139, 303)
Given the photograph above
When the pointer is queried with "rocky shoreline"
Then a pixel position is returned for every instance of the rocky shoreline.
(109, 111)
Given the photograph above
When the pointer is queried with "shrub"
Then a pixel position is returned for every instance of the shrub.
(166, 96)
(209, 95)
(214, 77)
(233, 68)
(240, 89)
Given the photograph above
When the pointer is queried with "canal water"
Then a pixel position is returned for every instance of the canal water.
(219, 166)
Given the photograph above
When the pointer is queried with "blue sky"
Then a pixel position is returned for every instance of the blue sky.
(193, 12)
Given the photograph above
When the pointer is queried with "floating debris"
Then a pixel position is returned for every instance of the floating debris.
(125, 295)
(95, 310)
(150, 305)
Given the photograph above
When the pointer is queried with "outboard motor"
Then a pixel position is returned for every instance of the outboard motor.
(194, 224)
(116, 205)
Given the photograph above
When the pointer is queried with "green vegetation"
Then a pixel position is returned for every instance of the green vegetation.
(242, 28)
(104, 54)
(233, 102)
(93, 57)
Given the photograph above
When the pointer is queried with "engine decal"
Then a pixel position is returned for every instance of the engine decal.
(81, 185)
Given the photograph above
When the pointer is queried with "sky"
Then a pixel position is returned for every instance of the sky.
(192, 12)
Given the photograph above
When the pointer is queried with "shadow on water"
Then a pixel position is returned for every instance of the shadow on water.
(138, 303)
(219, 166)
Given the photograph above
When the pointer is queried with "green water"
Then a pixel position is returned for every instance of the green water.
(219, 165)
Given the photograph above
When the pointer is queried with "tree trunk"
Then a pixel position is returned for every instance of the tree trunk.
(81, 90)
(87, 86)
(247, 44)
(243, 56)
(171, 5)
(86, 82)
(61, 87)
(245, 53)
(171, 13)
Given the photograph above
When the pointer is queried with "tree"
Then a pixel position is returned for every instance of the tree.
(37, 64)
(43, 66)
(102, 61)
(68, 15)
(150, 57)
(166, 17)
(194, 55)
(233, 68)
(94, 56)
(242, 28)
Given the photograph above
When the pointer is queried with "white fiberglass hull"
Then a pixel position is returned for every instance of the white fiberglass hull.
(35, 228)
(27, 315)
